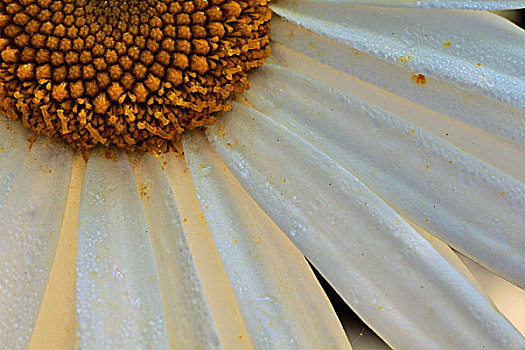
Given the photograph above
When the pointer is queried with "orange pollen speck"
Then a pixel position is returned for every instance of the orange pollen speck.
(419, 79)
(126, 73)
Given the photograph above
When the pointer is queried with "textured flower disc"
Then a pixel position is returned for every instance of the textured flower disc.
(130, 73)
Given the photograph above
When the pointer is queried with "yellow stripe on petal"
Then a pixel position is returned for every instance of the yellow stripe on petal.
(188, 318)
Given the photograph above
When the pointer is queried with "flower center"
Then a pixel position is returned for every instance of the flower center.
(130, 73)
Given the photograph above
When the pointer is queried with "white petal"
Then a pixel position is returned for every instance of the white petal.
(13, 149)
(30, 219)
(118, 297)
(454, 4)
(417, 39)
(188, 318)
(500, 152)
(281, 301)
(392, 277)
(219, 293)
(471, 205)
(443, 97)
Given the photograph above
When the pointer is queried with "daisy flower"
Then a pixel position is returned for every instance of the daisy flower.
(382, 140)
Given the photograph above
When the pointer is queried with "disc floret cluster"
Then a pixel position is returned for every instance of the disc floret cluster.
(129, 73)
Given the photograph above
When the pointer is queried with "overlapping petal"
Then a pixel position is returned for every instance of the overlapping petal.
(217, 288)
(477, 50)
(473, 206)
(444, 97)
(389, 274)
(188, 319)
(270, 278)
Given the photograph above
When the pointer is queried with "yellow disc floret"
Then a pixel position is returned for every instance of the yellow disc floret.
(130, 73)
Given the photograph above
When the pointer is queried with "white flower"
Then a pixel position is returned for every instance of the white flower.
(371, 136)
